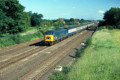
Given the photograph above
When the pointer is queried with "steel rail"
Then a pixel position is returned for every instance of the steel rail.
(11, 62)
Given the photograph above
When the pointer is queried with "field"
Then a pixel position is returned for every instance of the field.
(101, 59)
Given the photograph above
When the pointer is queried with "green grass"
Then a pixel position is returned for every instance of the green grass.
(16, 39)
(116, 35)
(30, 30)
(100, 60)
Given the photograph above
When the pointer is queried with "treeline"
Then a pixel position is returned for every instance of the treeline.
(111, 19)
(13, 18)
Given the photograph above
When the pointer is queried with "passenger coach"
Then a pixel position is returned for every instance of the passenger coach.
(57, 35)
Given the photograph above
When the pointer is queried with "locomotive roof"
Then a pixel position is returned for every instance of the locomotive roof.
(74, 27)
(56, 30)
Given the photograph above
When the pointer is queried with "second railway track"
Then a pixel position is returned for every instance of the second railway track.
(20, 56)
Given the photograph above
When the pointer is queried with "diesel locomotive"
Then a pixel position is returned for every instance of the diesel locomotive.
(57, 35)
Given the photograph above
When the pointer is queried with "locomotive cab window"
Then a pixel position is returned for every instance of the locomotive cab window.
(48, 37)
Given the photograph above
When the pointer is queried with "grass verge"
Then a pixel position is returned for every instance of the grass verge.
(100, 60)
(9, 40)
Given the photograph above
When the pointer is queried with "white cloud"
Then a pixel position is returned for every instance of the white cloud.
(101, 11)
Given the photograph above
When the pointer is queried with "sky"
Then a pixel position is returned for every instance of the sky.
(54, 9)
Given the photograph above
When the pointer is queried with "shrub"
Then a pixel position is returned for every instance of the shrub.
(78, 52)
(9, 40)
(66, 70)
(15, 38)
(57, 76)
(88, 42)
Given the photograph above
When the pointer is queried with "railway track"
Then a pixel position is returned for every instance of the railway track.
(24, 54)
(15, 54)
(44, 65)
(20, 55)
(49, 63)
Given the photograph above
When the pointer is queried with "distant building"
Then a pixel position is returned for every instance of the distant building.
(61, 19)
(76, 21)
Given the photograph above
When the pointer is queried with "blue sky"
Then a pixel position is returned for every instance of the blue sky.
(54, 9)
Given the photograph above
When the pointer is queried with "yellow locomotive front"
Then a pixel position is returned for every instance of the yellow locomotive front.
(49, 38)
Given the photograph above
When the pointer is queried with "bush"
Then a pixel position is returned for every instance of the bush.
(60, 75)
(15, 38)
(88, 42)
(57, 76)
(6, 41)
(78, 52)
(110, 27)
(66, 70)
(9, 40)
(102, 27)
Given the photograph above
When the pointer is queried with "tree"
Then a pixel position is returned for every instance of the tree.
(27, 19)
(71, 21)
(60, 24)
(112, 17)
(82, 20)
(47, 23)
(11, 16)
(67, 21)
(36, 19)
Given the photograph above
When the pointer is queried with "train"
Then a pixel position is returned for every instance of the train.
(53, 36)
